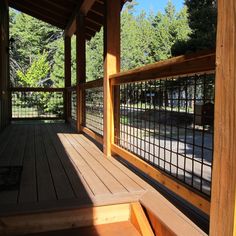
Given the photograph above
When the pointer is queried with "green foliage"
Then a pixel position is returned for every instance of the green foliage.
(30, 38)
(94, 57)
(202, 15)
(57, 72)
(136, 37)
(169, 28)
(37, 51)
(38, 71)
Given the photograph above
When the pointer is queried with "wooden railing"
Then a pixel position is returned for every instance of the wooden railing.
(93, 109)
(71, 104)
(159, 103)
(37, 103)
(137, 103)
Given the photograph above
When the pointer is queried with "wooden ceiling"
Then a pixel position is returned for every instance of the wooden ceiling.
(60, 12)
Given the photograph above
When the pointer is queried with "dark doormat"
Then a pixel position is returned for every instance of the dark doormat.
(10, 177)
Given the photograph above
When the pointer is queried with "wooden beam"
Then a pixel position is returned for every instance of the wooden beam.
(165, 218)
(45, 9)
(223, 206)
(5, 96)
(71, 4)
(31, 89)
(86, 6)
(82, 8)
(98, 8)
(51, 221)
(67, 68)
(92, 134)
(93, 84)
(38, 15)
(172, 184)
(178, 66)
(81, 68)
(59, 6)
(139, 220)
(111, 66)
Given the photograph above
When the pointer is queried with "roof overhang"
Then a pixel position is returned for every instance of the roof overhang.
(59, 12)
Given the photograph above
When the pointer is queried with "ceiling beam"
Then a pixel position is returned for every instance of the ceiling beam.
(82, 8)
(45, 10)
(36, 14)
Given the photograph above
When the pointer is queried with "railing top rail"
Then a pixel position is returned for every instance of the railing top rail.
(93, 84)
(72, 88)
(203, 62)
(40, 89)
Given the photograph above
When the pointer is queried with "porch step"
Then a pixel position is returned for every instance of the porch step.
(115, 229)
(124, 219)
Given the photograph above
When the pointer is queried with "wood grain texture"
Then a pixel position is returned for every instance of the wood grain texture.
(111, 66)
(49, 221)
(92, 134)
(113, 229)
(166, 219)
(173, 185)
(223, 207)
(62, 169)
(178, 66)
(139, 220)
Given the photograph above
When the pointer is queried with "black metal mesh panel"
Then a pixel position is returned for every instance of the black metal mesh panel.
(94, 109)
(169, 124)
(73, 105)
(37, 104)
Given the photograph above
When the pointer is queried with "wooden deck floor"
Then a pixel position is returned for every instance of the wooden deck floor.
(62, 169)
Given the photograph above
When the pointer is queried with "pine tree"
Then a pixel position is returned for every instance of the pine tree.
(169, 28)
(202, 21)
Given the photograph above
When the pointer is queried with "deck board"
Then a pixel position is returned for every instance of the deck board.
(46, 191)
(28, 187)
(61, 182)
(62, 169)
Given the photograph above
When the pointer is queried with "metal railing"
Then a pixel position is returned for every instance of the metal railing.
(94, 109)
(169, 124)
(37, 103)
(163, 121)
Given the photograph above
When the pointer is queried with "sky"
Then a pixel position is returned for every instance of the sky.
(156, 5)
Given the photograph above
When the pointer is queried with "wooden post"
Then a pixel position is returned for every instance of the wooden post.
(81, 69)
(5, 106)
(111, 66)
(223, 202)
(67, 68)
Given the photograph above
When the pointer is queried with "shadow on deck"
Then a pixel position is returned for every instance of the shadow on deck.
(61, 170)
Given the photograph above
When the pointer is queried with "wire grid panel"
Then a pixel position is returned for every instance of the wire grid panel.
(37, 104)
(94, 109)
(74, 105)
(169, 124)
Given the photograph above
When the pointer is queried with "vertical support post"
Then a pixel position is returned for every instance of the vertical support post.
(223, 202)
(5, 107)
(111, 66)
(80, 69)
(67, 68)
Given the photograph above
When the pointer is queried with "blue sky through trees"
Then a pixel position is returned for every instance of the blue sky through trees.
(156, 5)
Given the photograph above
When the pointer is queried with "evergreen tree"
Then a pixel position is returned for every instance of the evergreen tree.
(169, 28)
(202, 19)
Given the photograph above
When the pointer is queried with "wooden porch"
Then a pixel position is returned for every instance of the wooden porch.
(62, 180)
(61, 170)
(67, 184)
